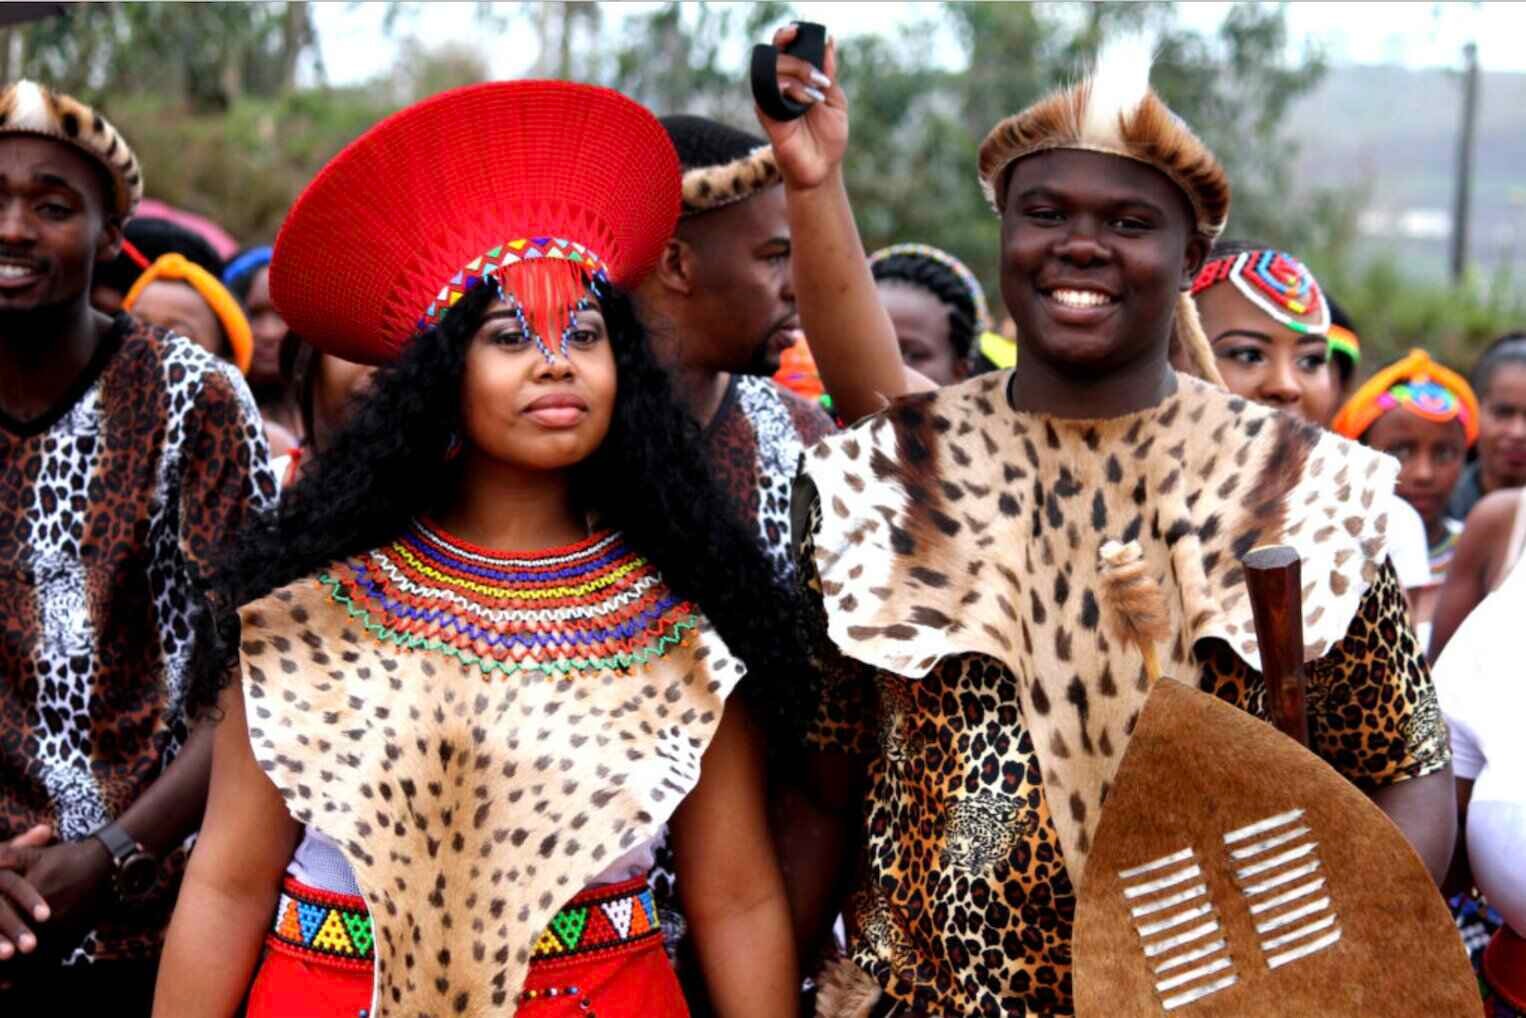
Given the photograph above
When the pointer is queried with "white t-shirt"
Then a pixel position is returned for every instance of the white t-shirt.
(1483, 693)
(1407, 545)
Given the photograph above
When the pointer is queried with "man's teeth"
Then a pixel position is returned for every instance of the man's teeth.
(13, 271)
(1081, 298)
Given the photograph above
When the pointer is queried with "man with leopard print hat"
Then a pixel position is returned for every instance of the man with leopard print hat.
(953, 543)
(129, 455)
(723, 300)
(721, 304)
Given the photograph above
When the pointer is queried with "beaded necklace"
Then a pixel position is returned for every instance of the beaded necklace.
(591, 607)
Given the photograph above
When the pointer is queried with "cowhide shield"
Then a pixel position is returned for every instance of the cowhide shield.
(1234, 873)
(953, 524)
(469, 810)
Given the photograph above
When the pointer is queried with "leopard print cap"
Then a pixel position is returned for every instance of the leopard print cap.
(28, 108)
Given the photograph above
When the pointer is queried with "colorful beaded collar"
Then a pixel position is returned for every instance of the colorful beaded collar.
(585, 609)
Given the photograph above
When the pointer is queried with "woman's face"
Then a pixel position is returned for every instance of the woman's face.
(1265, 361)
(1430, 455)
(523, 408)
(1502, 428)
(336, 391)
(922, 328)
(174, 305)
(268, 328)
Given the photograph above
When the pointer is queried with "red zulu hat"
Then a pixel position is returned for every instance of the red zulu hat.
(474, 182)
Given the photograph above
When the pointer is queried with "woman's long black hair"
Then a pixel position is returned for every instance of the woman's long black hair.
(649, 479)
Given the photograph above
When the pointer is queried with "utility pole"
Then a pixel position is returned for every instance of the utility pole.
(1460, 207)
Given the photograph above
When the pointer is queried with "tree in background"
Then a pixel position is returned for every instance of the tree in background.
(917, 125)
(226, 123)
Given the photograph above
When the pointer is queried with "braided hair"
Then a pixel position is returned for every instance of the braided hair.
(940, 281)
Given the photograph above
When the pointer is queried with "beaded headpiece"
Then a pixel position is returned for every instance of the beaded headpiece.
(1417, 385)
(1275, 282)
(1345, 342)
(542, 189)
(28, 108)
(948, 261)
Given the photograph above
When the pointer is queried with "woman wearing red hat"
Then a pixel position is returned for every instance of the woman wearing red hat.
(490, 640)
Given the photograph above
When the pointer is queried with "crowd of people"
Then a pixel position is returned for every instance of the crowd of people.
(565, 574)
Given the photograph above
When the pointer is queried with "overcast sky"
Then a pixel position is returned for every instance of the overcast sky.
(355, 48)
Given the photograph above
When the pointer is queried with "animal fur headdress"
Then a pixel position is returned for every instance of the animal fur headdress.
(721, 165)
(28, 108)
(1115, 111)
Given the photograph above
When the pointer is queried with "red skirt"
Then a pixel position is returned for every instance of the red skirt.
(318, 962)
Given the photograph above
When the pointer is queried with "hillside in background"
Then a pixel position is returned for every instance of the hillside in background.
(1390, 136)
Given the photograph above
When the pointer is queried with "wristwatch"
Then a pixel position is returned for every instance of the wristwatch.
(136, 871)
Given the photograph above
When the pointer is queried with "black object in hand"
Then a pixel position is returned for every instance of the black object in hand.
(809, 44)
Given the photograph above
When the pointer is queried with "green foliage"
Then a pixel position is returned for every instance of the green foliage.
(243, 167)
(209, 54)
(207, 94)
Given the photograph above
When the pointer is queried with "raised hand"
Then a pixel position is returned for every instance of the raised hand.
(810, 148)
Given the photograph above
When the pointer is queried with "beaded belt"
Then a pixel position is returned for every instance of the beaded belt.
(334, 927)
(598, 920)
(337, 927)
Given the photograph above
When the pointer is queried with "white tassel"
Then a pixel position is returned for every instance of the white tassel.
(1119, 84)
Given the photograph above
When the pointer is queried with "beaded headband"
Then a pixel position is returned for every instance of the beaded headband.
(948, 261)
(561, 294)
(1275, 282)
(1418, 385)
(1344, 341)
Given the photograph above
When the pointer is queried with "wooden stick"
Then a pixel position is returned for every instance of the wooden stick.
(1273, 579)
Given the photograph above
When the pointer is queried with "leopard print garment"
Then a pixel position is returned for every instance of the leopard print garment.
(754, 445)
(113, 507)
(468, 810)
(964, 903)
(953, 524)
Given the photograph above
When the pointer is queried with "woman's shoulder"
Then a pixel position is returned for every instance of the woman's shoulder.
(293, 605)
(1495, 512)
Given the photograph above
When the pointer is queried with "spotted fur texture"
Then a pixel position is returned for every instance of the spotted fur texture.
(1147, 131)
(952, 524)
(28, 108)
(755, 442)
(713, 187)
(469, 811)
(944, 922)
(113, 507)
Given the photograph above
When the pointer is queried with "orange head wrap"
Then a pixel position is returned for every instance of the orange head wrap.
(1417, 384)
(178, 268)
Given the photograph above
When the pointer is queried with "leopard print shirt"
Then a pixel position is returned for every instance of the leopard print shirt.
(755, 442)
(116, 500)
(963, 903)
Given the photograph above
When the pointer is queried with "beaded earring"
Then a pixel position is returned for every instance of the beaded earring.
(452, 446)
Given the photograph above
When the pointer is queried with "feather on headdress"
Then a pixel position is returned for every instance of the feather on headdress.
(1113, 111)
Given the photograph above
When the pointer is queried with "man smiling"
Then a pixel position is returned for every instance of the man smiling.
(953, 545)
(129, 458)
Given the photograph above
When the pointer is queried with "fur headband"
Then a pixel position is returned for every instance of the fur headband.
(28, 108)
(712, 187)
(1113, 111)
